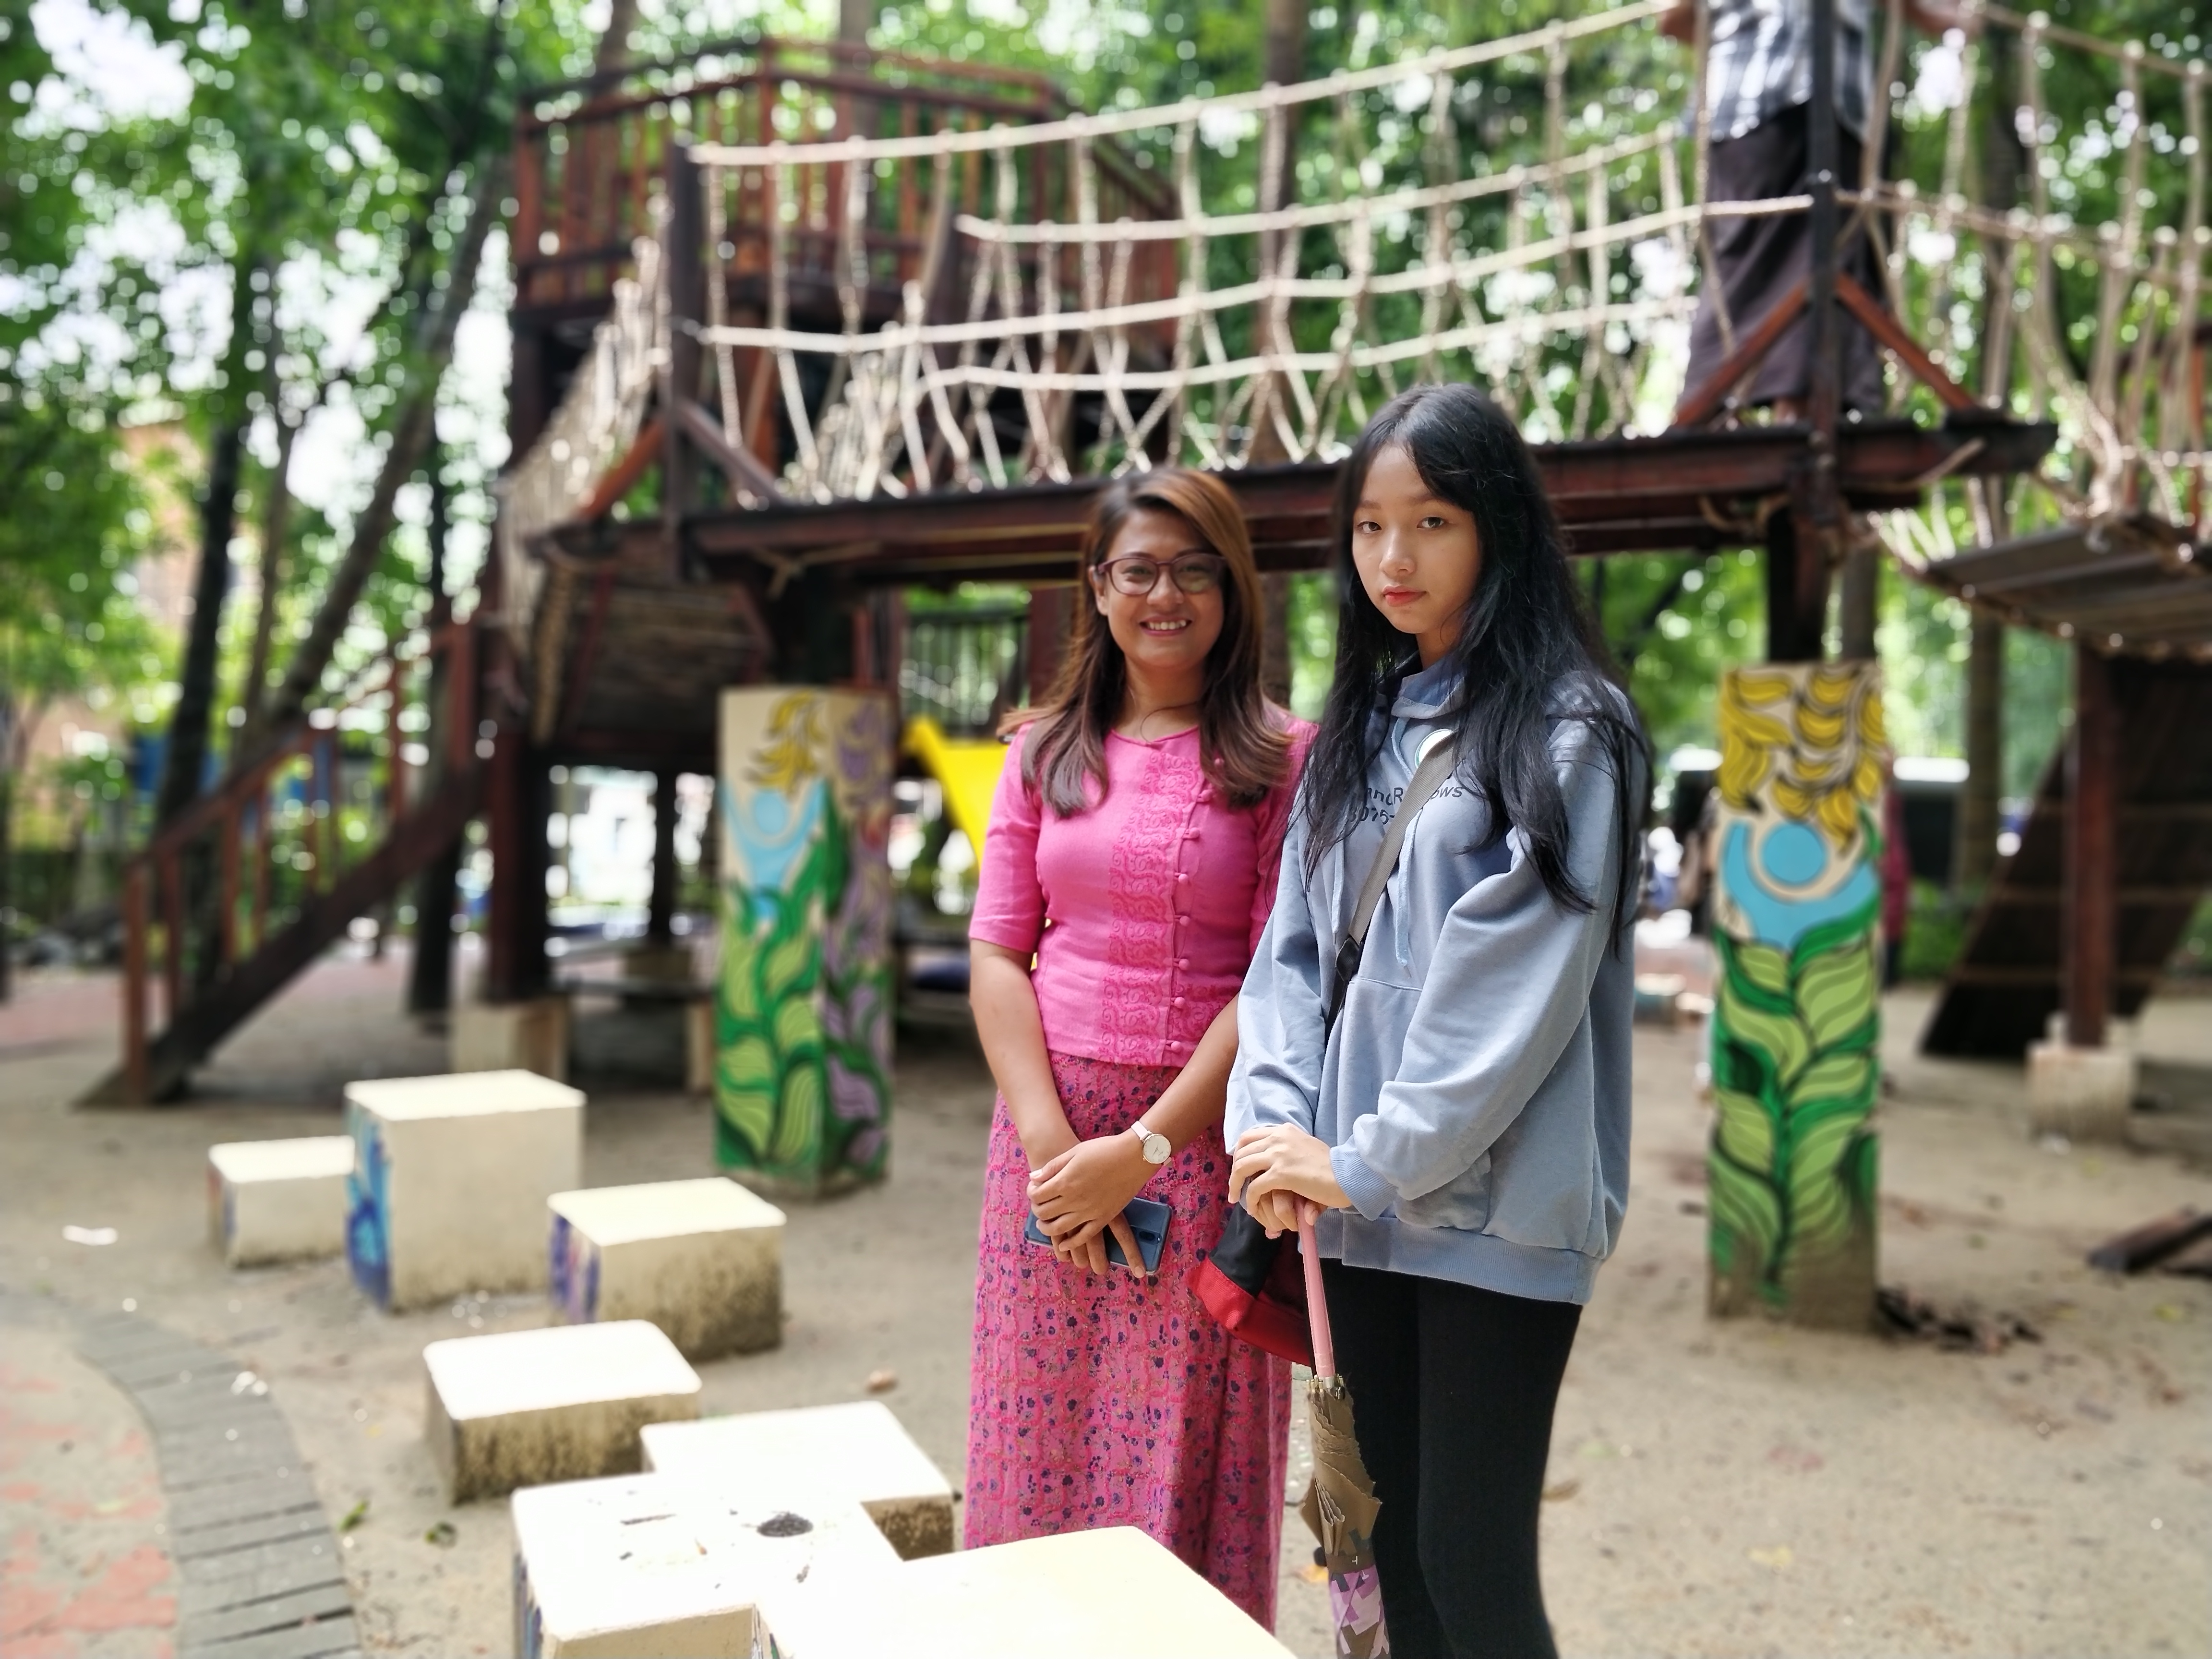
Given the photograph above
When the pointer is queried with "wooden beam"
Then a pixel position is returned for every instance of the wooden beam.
(2012, 977)
(1887, 330)
(2088, 924)
(2139, 898)
(618, 480)
(1701, 404)
(1672, 478)
(742, 467)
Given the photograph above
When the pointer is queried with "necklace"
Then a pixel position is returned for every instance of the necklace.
(1143, 720)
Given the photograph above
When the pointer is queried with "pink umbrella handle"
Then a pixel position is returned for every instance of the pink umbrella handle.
(1316, 1299)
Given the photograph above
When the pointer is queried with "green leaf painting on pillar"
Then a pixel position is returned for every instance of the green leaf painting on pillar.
(1796, 1014)
(802, 1081)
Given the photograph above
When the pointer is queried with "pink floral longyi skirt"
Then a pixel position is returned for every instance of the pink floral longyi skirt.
(1117, 1401)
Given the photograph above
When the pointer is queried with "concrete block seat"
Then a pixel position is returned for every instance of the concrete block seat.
(857, 1452)
(451, 1176)
(278, 1201)
(520, 1408)
(703, 1260)
(1112, 1594)
(484, 1036)
(648, 1566)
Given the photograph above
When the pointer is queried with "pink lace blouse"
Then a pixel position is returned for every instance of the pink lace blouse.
(1143, 911)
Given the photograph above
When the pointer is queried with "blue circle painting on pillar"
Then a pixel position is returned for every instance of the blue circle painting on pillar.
(1792, 855)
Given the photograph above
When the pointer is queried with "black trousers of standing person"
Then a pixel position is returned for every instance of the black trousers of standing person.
(1452, 1393)
(1761, 258)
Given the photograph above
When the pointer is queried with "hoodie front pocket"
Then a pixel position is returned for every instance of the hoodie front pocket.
(1462, 1202)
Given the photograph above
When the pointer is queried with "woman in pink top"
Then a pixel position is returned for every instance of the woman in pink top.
(1132, 858)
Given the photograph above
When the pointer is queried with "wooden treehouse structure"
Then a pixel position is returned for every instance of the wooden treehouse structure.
(799, 327)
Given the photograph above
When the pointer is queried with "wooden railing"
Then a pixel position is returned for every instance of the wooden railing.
(258, 875)
(591, 154)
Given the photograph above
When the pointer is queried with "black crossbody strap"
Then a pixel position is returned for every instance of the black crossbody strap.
(1435, 766)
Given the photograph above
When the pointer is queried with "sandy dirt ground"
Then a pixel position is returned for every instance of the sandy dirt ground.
(1731, 1488)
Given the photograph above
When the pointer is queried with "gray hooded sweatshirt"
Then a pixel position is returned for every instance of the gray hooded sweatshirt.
(1475, 1088)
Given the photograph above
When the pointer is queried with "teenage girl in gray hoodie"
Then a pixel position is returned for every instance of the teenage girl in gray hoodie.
(1462, 1122)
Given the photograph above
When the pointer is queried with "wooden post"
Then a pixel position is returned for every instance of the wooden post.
(1974, 852)
(1796, 581)
(1799, 540)
(515, 965)
(1859, 604)
(173, 942)
(135, 924)
(228, 829)
(1275, 635)
(1052, 616)
(2088, 924)
(687, 307)
(660, 908)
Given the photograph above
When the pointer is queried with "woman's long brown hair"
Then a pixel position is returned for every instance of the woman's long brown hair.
(1243, 743)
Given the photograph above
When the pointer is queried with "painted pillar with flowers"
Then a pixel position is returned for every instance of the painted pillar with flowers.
(1797, 1024)
(803, 1003)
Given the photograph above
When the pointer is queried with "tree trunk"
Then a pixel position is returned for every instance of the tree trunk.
(430, 975)
(1282, 62)
(276, 515)
(411, 437)
(186, 761)
(854, 18)
(614, 42)
(1283, 57)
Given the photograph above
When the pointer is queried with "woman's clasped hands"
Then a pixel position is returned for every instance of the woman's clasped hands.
(1079, 1195)
(1276, 1166)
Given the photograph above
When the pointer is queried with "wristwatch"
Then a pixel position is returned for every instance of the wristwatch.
(1157, 1149)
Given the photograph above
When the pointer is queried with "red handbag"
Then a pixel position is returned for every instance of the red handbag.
(1255, 1288)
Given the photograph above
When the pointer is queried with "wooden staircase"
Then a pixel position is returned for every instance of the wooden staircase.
(2008, 979)
(269, 869)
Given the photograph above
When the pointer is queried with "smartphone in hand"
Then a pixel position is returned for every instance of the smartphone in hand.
(1147, 1219)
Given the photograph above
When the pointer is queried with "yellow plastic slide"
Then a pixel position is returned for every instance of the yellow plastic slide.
(969, 770)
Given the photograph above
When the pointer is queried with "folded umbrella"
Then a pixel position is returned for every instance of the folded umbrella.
(1340, 1505)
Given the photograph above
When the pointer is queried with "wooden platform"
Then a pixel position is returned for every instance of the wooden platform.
(1674, 492)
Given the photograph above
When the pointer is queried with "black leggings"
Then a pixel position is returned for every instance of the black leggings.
(1452, 1391)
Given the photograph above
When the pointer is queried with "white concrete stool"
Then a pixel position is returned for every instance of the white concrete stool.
(451, 1175)
(858, 1452)
(648, 1565)
(520, 1408)
(485, 1037)
(703, 1260)
(1113, 1593)
(278, 1201)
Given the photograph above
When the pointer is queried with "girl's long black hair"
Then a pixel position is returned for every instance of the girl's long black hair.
(1528, 651)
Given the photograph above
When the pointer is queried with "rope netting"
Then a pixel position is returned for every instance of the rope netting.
(1327, 244)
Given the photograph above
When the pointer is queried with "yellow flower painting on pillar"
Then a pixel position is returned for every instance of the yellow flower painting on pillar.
(1796, 1023)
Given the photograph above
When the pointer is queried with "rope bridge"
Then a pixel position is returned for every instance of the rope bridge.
(1080, 329)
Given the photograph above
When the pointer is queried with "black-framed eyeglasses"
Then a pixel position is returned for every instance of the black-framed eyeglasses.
(1137, 575)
